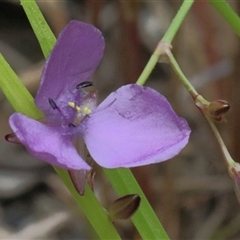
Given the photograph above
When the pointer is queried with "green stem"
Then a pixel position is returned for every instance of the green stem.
(195, 94)
(177, 21)
(228, 14)
(145, 219)
(148, 68)
(167, 38)
(227, 157)
(91, 207)
(181, 76)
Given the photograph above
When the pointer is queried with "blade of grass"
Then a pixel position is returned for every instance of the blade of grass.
(145, 219)
(92, 209)
(9, 84)
(228, 14)
(41, 29)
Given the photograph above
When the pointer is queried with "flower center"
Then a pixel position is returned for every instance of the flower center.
(81, 112)
(71, 107)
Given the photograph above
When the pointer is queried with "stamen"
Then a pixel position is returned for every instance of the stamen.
(86, 111)
(78, 109)
(71, 104)
(52, 103)
(84, 84)
(71, 125)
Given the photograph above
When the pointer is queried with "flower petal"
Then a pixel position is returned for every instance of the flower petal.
(74, 58)
(46, 142)
(134, 126)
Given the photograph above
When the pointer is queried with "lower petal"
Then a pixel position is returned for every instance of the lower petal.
(134, 126)
(46, 142)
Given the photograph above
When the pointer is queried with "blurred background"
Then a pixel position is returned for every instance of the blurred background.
(192, 194)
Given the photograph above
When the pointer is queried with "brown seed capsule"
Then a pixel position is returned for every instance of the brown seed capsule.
(124, 207)
(218, 108)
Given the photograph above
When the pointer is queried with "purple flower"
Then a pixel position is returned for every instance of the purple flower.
(133, 126)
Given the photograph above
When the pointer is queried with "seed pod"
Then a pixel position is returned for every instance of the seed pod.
(124, 207)
(218, 108)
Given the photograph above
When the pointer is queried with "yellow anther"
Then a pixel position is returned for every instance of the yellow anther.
(78, 109)
(71, 104)
(86, 111)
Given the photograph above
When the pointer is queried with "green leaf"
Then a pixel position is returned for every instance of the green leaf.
(40, 27)
(145, 219)
(15, 91)
(228, 14)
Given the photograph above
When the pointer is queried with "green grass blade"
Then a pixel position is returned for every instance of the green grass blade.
(41, 29)
(228, 14)
(145, 219)
(15, 91)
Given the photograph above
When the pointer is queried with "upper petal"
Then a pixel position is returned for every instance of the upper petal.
(134, 126)
(74, 58)
(46, 142)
